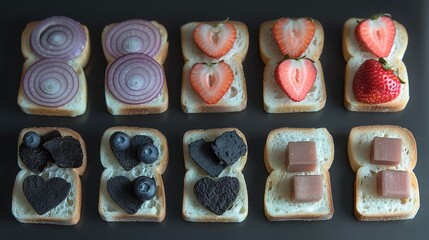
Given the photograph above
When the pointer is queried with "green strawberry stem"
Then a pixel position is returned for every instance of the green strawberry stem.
(387, 67)
(375, 16)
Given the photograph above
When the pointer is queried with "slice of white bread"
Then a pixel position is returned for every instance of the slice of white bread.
(160, 103)
(277, 199)
(192, 210)
(355, 55)
(153, 210)
(68, 211)
(159, 57)
(269, 49)
(236, 98)
(352, 48)
(77, 106)
(64, 132)
(369, 207)
(275, 99)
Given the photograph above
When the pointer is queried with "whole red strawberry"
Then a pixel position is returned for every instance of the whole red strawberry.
(375, 82)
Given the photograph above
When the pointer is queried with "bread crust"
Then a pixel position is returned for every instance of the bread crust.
(77, 106)
(109, 211)
(194, 173)
(160, 103)
(275, 100)
(191, 102)
(355, 55)
(278, 174)
(359, 145)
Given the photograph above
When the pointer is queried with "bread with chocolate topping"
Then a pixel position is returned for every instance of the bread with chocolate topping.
(157, 105)
(278, 202)
(355, 54)
(235, 99)
(368, 205)
(275, 99)
(67, 212)
(77, 105)
(152, 210)
(192, 208)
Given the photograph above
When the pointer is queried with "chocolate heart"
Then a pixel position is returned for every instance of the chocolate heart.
(202, 154)
(217, 196)
(37, 159)
(128, 157)
(229, 147)
(121, 191)
(45, 195)
(66, 152)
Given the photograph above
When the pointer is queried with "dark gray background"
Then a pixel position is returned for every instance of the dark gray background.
(253, 121)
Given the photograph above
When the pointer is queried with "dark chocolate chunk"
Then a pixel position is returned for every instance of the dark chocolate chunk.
(229, 147)
(51, 135)
(128, 158)
(217, 196)
(202, 154)
(66, 151)
(45, 195)
(121, 191)
(35, 159)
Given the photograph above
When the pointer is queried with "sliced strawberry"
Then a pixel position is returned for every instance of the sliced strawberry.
(296, 77)
(215, 41)
(375, 82)
(211, 81)
(377, 35)
(293, 35)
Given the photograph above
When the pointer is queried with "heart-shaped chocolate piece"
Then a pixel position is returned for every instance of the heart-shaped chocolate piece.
(128, 157)
(45, 195)
(217, 196)
(202, 154)
(229, 147)
(66, 152)
(121, 191)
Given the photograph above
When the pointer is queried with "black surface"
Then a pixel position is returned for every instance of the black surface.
(253, 121)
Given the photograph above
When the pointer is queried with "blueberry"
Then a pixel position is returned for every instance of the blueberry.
(144, 188)
(148, 153)
(119, 141)
(31, 140)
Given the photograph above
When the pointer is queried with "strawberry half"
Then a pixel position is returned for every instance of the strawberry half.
(377, 35)
(215, 41)
(293, 35)
(296, 77)
(375, 82)
(211, 81)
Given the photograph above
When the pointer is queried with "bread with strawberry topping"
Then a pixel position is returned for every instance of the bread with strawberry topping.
(378, 38)
(295, 44)
(218, 84)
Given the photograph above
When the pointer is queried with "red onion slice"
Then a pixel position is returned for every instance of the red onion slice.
(135, 79)
(133, 36)
(50, 83)
(58, 37)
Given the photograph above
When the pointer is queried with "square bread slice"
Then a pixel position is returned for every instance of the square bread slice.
(153, 210)
(192, 209)
(278, 204)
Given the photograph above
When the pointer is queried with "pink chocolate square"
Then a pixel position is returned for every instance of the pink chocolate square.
(301, 156)
(393, 184)
(307, 188)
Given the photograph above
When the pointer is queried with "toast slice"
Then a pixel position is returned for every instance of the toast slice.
(153, 210)
(236, 98)
(77, 106)
(278, 204)
(275, 99)
(192, 209)
(68, 211)
(355, 55)
(368, 205)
